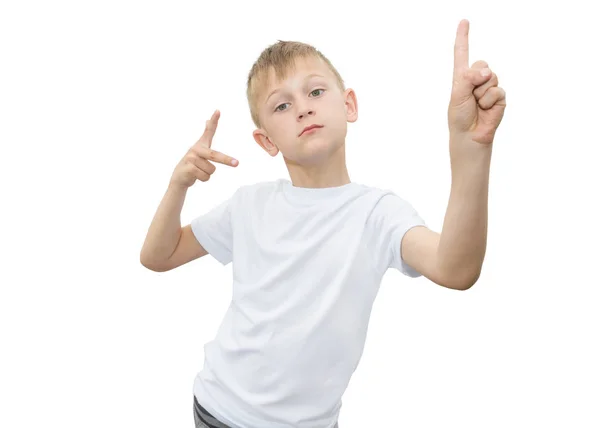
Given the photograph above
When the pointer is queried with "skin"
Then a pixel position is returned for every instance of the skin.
(453, 258)
(316, 159)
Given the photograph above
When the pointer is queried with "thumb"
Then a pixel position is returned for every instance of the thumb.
(467, 80)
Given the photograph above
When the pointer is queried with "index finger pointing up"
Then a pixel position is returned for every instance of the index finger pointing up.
(461, 46)
(210, 129)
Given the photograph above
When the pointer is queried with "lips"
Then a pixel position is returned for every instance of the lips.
(308, 128)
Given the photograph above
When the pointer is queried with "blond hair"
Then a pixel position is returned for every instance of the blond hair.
(281, 58)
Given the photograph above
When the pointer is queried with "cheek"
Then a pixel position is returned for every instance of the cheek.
(280, 133)
(339, 117)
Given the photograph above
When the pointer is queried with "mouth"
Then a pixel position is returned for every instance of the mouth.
(311, 128)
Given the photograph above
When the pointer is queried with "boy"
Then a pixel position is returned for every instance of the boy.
(310, 253)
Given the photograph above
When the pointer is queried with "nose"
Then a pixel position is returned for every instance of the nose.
(304, 113)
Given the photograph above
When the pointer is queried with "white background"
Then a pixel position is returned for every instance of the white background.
(100, 100)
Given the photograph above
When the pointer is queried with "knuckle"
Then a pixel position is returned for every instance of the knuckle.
(192, 153)
(207, 167)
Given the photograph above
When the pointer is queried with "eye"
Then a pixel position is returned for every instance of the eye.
(312, 92)
(278, 109)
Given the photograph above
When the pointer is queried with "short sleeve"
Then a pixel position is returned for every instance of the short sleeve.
(390, 219)
(214, 231)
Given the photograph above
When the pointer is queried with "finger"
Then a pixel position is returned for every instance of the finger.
(465, 82)
(472, 78)
(215, 156)
(493, 96)
(461, 46)
(480, 64)
(481, 90)
(204, 165)
(201, 175)
(210, 129)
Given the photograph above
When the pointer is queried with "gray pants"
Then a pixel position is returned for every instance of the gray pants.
(203, 419)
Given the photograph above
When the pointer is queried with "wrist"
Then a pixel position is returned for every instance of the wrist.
(176, 187)
(469, 154)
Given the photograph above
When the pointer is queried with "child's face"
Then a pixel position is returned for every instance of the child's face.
(308, 96)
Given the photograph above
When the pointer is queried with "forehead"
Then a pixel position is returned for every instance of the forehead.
(294, 74)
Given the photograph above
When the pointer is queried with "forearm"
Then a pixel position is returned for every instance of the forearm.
(464, 234)
(165, 230)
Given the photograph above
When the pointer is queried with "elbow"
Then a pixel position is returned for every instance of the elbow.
(470, 281)
(154, 267)
(147, 265)
(462, 281)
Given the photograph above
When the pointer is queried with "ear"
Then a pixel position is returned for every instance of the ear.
(351, 105)
(261, 138)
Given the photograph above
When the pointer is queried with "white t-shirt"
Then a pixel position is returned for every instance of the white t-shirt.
(307, 266)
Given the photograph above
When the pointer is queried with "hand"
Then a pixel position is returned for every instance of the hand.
(477, 103)
(195, 164)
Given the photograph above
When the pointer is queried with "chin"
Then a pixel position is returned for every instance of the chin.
(315, 151)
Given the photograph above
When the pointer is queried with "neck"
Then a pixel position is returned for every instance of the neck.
(328, 171)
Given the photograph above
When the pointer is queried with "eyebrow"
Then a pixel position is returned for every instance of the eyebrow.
(305, 79)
